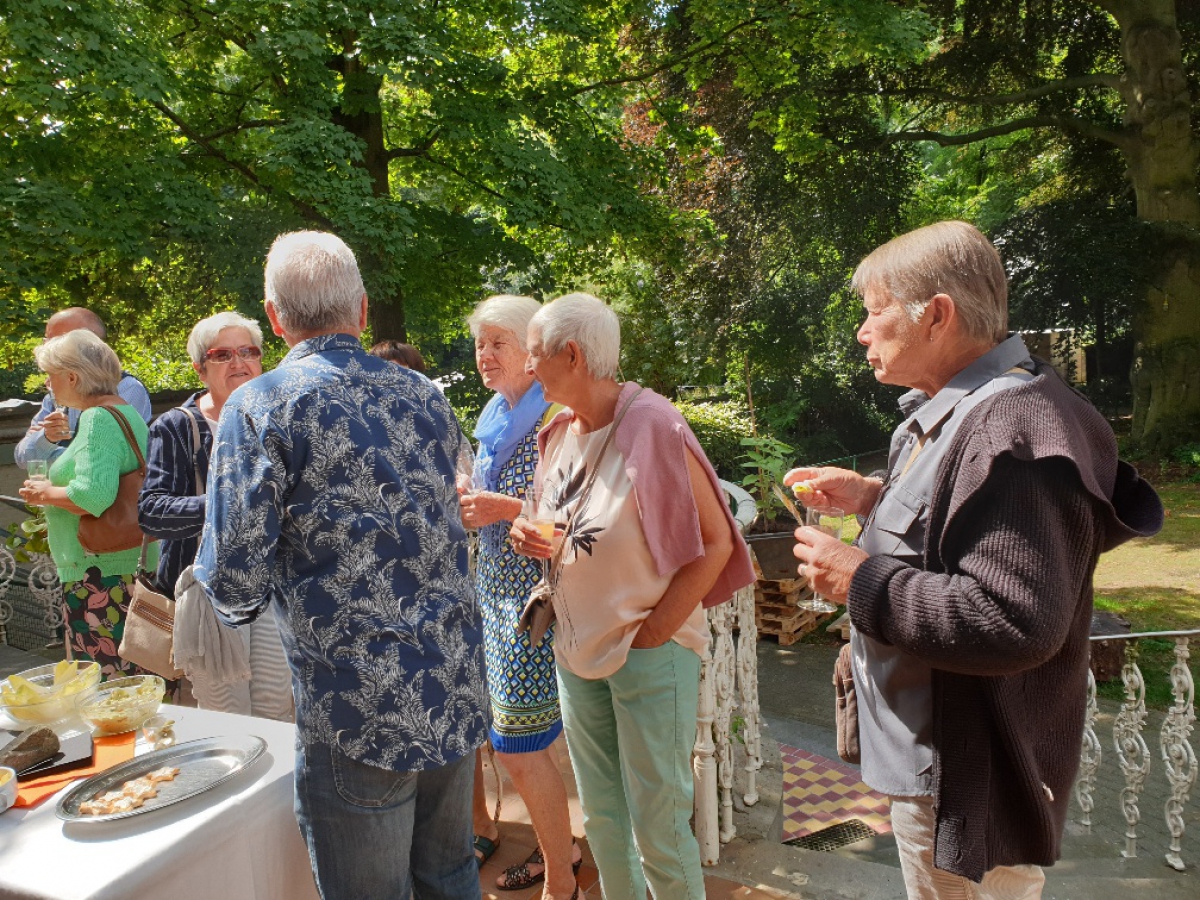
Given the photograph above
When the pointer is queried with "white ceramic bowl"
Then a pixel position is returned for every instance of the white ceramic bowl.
(8, 790)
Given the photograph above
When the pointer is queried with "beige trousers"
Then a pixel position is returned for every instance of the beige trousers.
(913, 825)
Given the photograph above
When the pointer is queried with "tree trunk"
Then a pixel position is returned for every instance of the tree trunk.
(1162, 168)
(361, 113)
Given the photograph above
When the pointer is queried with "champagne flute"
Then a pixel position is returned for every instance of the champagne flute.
(827, 521)
(38, 471)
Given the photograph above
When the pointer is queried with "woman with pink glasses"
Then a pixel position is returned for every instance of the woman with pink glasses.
(226, 352)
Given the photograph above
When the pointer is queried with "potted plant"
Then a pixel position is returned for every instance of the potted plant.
(771, 536)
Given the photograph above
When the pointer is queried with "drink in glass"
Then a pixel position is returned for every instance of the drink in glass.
(828, 521)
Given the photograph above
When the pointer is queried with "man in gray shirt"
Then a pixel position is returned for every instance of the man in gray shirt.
(970, 587)
(51, 427)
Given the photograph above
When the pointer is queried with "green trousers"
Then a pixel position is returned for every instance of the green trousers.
(630, 737)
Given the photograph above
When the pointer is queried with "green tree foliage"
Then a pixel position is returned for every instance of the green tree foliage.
(440, 139)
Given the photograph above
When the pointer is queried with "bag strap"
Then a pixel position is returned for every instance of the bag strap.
(556, 559)
(201, 485)
(127, 430)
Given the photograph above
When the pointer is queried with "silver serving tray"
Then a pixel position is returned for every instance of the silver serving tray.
(202, 765)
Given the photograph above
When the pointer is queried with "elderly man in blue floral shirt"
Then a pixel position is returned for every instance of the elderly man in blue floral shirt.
(332, 495)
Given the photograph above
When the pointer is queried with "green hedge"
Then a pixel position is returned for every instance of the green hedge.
(720, 427)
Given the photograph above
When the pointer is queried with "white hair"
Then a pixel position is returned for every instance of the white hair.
(312, 279)
(587, 321)
(506, 311)
(205, 332)
(81, 352)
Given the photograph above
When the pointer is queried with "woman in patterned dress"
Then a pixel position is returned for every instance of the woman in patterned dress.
(82, 372)
(521, 678)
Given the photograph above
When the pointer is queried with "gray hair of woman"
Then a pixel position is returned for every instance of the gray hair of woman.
(204, 333)
(83, 353)
(587, 321)
(507, 311)
(952, 258)
(312, 280)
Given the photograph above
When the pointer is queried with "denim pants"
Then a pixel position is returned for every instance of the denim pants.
(374, 834)
(630, 737)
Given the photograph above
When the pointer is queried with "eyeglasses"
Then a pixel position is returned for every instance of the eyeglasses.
(225, 354)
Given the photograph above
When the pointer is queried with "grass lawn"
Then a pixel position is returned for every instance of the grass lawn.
(1155, 584)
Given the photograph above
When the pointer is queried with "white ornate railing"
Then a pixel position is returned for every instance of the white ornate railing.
(1179, 758)
(43, 585)
(728, 682)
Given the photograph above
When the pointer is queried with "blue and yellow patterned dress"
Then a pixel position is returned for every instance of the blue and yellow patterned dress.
(521, 678)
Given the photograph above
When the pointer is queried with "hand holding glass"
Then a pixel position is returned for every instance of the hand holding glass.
(827, 521)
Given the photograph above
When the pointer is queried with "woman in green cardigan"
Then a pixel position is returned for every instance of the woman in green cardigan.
(82, 373)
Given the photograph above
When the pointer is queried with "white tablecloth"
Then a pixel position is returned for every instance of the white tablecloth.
(235, 842)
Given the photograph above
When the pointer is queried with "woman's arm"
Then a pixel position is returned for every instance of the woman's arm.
(695, 579)
(168, 507)
(487, 507)
(42, 493)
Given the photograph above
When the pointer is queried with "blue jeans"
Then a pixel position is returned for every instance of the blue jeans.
(374, 833)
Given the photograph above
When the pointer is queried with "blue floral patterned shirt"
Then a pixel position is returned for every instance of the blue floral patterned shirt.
(331, 490)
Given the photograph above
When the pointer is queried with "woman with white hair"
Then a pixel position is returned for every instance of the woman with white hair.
(648, 543)
(82, 372)
(521, 680)
(226, 352)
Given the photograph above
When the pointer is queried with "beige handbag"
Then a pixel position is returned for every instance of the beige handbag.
(150, 622)
(538, 614)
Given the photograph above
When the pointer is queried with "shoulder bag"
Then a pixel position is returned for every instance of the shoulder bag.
(150, 623)
(846, 707)
(538, 614)
(117, 528)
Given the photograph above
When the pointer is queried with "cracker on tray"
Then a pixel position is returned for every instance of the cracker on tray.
(131, 795)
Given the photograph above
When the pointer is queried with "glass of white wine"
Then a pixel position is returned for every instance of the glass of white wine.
(827, 521)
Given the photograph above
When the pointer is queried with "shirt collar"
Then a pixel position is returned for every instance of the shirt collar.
(321, 344)
(924, 414)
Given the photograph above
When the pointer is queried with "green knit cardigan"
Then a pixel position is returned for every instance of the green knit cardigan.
(90, 469)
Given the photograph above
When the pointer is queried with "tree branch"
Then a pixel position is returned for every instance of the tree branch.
(1124, 141)
(240, 126)
(308, 211)
(419, 150)
(669, 64)
(1113, 82)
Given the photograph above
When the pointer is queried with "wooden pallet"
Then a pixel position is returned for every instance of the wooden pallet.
(841, 625)
(777, 609)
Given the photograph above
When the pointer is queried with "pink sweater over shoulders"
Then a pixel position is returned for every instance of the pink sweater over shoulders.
(654, 439)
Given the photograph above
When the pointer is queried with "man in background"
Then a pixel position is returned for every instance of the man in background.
(52, 427)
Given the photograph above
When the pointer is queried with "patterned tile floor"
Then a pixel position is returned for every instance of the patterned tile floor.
(820, 792)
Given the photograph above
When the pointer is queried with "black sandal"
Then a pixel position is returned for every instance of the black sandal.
(486, 848)
(519, 877)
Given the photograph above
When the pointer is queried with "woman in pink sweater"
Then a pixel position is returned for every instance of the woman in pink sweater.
(649, 544)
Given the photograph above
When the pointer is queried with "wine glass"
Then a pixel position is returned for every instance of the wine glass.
(827, 521)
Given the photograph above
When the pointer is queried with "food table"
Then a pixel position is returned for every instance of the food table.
(237, 840)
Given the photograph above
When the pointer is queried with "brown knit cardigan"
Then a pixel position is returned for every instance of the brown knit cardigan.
(1028, 496)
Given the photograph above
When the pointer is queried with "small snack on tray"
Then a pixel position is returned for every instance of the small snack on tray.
(132, 794)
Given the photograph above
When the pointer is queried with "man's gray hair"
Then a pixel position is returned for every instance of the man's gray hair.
(506, 311)
(204, 333)
(313, 281)
(83, 353)
(588, 322)
(952, 258)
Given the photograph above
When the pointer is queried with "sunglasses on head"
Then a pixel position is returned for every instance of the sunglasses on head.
(225, 354)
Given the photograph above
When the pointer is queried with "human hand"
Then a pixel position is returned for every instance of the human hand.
(33, 491)
(55, 426)
(484, 508)
(835, 488)
(828, 564)
(528, 541)
(646, 639)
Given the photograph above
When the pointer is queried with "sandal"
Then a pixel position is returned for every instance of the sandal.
(485, 849)
(518, 877)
